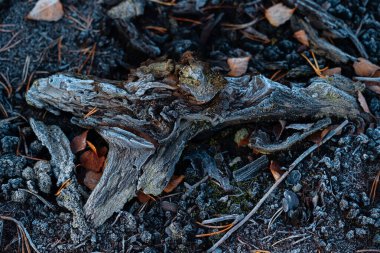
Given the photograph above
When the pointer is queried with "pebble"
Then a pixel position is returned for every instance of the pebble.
(9, 144)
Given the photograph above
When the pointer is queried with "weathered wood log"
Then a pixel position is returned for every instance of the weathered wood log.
(148, 119)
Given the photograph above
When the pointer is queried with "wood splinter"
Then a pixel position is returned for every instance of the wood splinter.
(148, 119)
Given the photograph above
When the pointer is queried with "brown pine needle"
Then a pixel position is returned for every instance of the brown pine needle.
(275, 74)
(315, 65)
(91, 112)
(171, 3)
(156, 28)
(196, 22)
(63, 186)
(92, 147)
(217, 232)
(211, 226)
(375, 184)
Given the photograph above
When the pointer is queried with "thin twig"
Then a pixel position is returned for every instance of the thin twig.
(367, 79)
(275, 185)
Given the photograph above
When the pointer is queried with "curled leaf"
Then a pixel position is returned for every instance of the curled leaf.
(90, 161)
(46, 10)
(364, 67)
(363, 102)
(91, 179)
(174, 182)
(238, 66)
(302, 37)
(79, 142)
(278, 14)
(275, 169)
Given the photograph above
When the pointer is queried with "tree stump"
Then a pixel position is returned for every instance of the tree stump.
(148, 119)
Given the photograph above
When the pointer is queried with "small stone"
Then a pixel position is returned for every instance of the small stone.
(11, 165)
(376, 239)
(146, 237)
(15, 183)
(42, 169)
(19, 196)
(293, 178)
(353, 213)
(343, 204)
(28, 173)
(9, 144)
(290, 201)
(361, 232)
(36, 147)
(129, 221)
(350, 234)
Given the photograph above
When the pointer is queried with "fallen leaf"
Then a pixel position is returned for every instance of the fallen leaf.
(363, 102)
(174, 182)
(102, 151)
(374, 88)
(79, 142)
(91, 179)
(318, 136)
(331, 72)
(90, 161)
(278, 14)
(302, 37)
(275, 169)
(142, 197)
(238, 66)
(363, 67)
(46, 10)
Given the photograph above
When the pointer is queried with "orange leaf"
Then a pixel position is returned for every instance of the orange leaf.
(238, 66)
(278, 14)
(142, 197)
(363, 102)
(374, 88)
(90, 161)
(318, 136)
(102, 151)
(301, 36)
(333, 71)
(92, 147)
(174, 182)
(91, 179)
(46, 10)
(79, 142)
(242, 137)
(275, 169)
(363, 67)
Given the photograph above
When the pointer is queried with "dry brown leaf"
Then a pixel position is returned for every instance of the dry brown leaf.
(318, 136)
(46, 10)
(331, 72)
(142, 197)
(91, 179)
(174, 182)
(278, 14)
(374, 88)
(364, 67)
(79, 142)
(90, 161)
(363, 102)
(302, 37)
(275, 169)
(238, 66)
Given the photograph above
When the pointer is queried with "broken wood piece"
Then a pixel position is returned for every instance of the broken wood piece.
(321, 19)
(203, 161)
(251, 169)
(260, 142)
(147, 121)
(62, 161)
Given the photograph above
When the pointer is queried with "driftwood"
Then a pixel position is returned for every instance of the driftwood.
(148, 119)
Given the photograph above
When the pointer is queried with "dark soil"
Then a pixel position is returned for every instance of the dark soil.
(334, 211)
